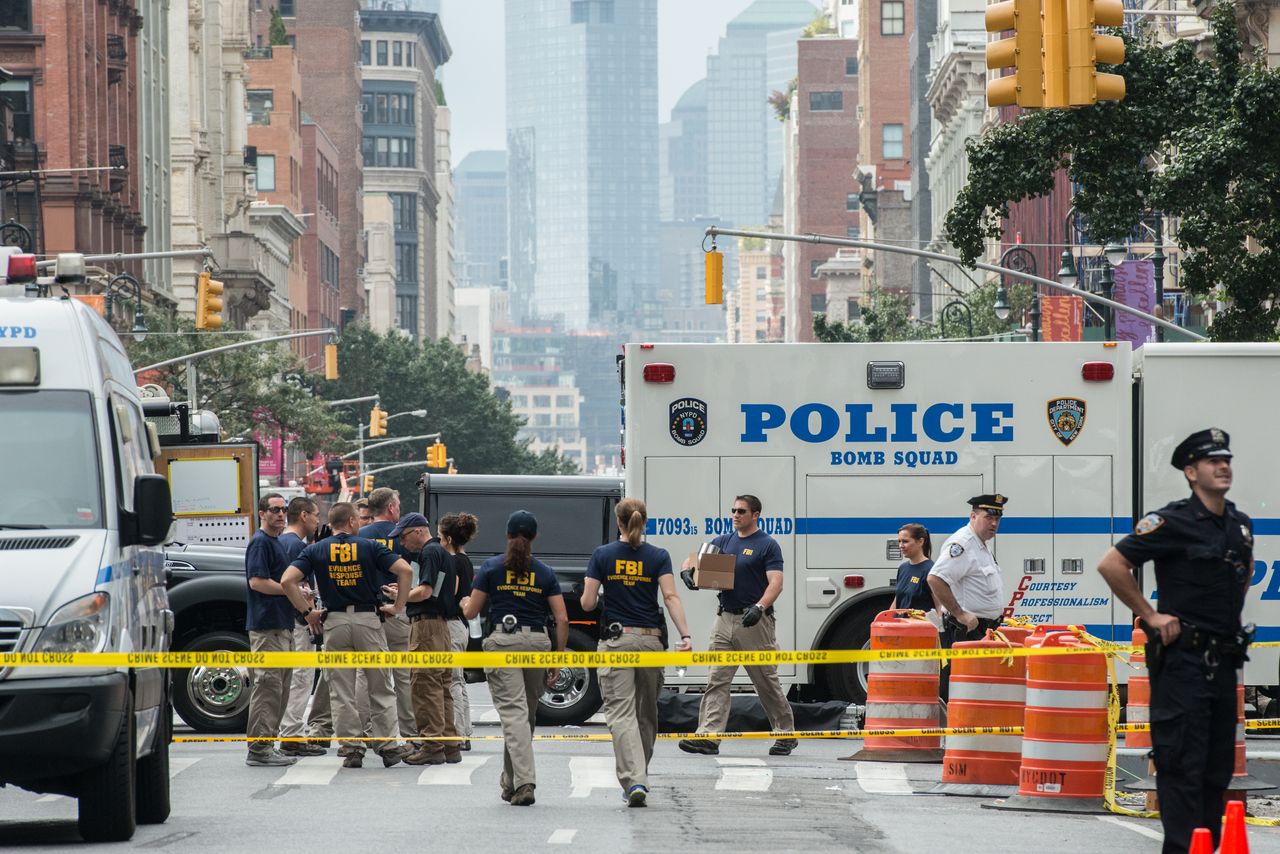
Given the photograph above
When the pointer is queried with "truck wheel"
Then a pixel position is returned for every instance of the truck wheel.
(152, 798)
(848, 682)
(214, 699)
(575, 695)
(107, 792)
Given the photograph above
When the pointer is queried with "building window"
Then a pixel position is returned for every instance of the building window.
(893, 17)
(854, 310)
(408, 53)
(817, 303)
(366, 48)
(853, 232)
(404, 208)
(852, 202)
(397, 53)
(565, 420)
(605, 8)
(519, 401)
(286, 8)
(762, 273)
(407, 313)
(266, 173)
(850, 66)
(578, 12)
(814, 265)
(396, 152)
(826, 102)
(17, 92)
(292, 41)
(328, 266)
(259, 106)
(542, 401)
(406, 263)
(564, 401)
(382, 53)
(891, 139)
(848, 29)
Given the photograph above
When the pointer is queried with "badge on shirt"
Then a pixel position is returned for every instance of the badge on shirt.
(915, 579)
(1247, 534)
(956, 550)
(748, 552)
(1148, 523)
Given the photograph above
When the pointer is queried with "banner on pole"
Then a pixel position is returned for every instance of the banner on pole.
(1135, 286)
(1061, 318)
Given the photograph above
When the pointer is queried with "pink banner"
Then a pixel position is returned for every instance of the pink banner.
(271, 458)
(1061, 318)
(1135, 287)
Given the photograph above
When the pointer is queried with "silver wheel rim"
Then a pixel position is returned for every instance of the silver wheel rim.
(220, 693)
(570, 686)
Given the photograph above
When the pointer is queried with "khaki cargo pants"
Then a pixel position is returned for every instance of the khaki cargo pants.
(296, 720)
(515, 693)
(360, 631)
(270, 692)
(432, 699)
(396, 631)
(631, 708)
(729, 634)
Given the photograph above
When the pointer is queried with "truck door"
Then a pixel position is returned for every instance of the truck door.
(1024, 545)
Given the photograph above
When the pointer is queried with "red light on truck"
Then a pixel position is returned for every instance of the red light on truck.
(659, 373)
(22, 268)
(855, 581)
(1098, 372)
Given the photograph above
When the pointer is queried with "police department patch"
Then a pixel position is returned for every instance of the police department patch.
(1066, 418)
(1148, 523)
(688, 417)
(956, 550)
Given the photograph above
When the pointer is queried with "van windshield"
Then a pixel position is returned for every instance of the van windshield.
(51, 472)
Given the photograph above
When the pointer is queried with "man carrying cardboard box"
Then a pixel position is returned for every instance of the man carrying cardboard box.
(745, 621)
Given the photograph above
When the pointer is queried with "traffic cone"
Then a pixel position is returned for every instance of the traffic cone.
(1201, 842)
(1234, 840)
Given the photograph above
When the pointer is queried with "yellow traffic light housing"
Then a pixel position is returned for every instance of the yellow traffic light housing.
(377, 422)
(1086, 49)
(1025, 86)
(437, 456)
(208, 302)
(331, 361)
(367, 484)
(715, 276)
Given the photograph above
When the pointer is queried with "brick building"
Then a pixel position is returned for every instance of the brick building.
(72, 87)
(322, 172)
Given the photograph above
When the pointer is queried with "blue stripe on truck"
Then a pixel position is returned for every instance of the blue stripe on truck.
(950, 524)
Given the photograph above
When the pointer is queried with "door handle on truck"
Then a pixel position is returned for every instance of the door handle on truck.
(1033, 566)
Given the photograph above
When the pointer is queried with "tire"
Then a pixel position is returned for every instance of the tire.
(107, 792)
(848, 682)
(576, 694)
(214, 699)
(152, 797)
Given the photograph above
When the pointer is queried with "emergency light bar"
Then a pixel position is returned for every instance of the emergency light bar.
(886, 374)
(22, 268)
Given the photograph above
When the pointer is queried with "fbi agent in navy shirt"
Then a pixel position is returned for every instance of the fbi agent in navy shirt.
(521, 592)
(911, 590)
(348, 571)
(745, 621)
(625, 577)
(1202, 547)
(269, 621)
(384, 504)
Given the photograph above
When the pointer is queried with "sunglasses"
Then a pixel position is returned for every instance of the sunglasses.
(737, 510)
(276, 509)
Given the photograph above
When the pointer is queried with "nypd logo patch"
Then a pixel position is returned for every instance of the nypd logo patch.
(956, 550)
(688, 418)
(1148, 523)
(1066, 418)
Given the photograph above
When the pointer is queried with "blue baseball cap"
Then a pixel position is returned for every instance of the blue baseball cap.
(522, 523)
(407, 521)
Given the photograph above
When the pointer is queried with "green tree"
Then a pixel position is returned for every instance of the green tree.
(1212, 123)
(886, 316)
(276, 34)
(247, 389)
(478, 428)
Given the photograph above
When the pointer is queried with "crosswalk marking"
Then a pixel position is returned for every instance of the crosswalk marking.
(743, 775)
(178, 764)
(883, 778)
(591, 772)
(311, 771)
(563, 836)
(452, 775)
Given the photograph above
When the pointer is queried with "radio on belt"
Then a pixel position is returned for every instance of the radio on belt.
(509, 623)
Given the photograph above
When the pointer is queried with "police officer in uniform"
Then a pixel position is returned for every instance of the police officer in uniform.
(631, 573)
(1202, 547)
(348, 572)
(966, 580)
(521, 591)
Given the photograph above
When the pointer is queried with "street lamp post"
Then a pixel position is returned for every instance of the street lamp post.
(956, 307)
(420, 413)
(1020, 259)
(1158, 259)
(1115, 254)
(120, 284)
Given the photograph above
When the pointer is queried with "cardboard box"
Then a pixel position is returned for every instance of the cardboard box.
(713, 571)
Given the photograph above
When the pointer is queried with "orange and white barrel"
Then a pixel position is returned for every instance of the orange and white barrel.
(985, 692)
(1241, 782)
(902, 694)
(1138, 709)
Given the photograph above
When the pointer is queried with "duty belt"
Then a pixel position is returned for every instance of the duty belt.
(510, 626)
(416, 618)
(738, 612)
(616, 630)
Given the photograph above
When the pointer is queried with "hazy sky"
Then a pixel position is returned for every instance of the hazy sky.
(473, 78)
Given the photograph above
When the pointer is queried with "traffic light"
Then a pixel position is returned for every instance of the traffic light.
(715, 277)
(331, 361)
(208, 302)
(437, 456)
(377, 422)
(1024, 87)
(1086, 49)
(366, 485)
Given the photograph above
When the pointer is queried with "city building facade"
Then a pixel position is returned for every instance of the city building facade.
(322, 175)
(380, 261)
(446, 226)
(153, 143)
(480, 251)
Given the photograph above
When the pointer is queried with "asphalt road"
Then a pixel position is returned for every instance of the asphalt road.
(742, 800)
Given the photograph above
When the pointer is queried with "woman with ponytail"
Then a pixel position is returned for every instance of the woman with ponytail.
(521, 591)
(632, 573)
(911, 591)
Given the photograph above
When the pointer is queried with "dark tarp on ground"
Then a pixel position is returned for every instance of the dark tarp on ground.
(679, 713)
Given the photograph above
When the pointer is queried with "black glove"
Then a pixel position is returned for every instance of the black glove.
(578, 588)
(753, 615)
(686, 575)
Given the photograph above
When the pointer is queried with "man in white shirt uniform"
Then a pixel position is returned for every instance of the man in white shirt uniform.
(966, 581)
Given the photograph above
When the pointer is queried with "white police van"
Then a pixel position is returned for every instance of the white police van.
(845, 443)
(79, 519)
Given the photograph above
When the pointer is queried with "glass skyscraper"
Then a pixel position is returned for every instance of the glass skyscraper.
(582, 160)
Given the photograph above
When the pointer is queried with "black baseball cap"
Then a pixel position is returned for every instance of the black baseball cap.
(1200, 445)
(407, 521)
(522, 523)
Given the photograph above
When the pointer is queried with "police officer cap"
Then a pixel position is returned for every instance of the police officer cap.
(522, 523)
(1201, 444)
(407, 521)
(993, 504)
